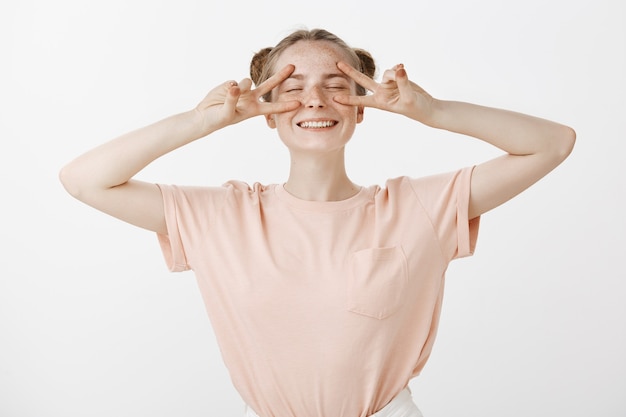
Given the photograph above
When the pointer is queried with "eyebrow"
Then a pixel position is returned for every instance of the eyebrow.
(325, 76)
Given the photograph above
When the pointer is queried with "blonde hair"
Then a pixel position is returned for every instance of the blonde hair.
(262, 64)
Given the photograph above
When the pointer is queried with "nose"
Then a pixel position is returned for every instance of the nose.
(315, 98)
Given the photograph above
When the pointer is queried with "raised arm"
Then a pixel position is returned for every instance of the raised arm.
(102, 177)
(533, 146)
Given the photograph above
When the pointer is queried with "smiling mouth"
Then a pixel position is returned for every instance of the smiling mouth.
(317, 124)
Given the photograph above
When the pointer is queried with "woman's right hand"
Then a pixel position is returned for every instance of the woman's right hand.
(102, 177)
(232, 102)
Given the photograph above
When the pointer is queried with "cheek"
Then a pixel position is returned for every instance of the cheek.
(283, 120)
(352, 113)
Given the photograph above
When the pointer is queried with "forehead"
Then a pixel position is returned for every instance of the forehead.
(312, 54)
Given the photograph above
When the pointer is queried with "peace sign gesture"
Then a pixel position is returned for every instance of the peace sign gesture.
(396, 93)
(232, 102)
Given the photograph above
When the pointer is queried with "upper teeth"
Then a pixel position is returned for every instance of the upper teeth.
(327, 123)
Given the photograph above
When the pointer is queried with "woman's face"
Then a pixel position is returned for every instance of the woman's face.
(320, 124)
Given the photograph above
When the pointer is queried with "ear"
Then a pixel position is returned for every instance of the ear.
(269, 119)
(359, 114)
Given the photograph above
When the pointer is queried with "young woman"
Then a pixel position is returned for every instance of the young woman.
(324, 294)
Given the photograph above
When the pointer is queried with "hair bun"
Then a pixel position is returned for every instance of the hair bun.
(368, 65)
(258, 63)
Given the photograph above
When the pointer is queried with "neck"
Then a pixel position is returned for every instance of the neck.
(320, 178)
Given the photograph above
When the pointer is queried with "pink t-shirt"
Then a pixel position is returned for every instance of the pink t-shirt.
(321, 308)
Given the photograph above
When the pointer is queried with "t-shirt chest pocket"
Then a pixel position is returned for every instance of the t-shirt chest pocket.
(376, 286)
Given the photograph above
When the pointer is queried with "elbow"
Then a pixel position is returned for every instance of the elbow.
(69, 180)
(569, 140)
(563, 143)
(65, 177)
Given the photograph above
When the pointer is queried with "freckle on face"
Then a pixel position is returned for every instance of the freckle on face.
(312, 58)
(324, 125)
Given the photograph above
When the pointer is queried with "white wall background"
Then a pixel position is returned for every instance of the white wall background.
(91, 322)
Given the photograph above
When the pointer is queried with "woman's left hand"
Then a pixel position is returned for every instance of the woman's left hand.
(395, 93)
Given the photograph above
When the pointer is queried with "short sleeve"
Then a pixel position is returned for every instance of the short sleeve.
(445, 198)
(189, 212)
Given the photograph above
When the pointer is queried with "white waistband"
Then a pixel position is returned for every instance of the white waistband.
(402, 405)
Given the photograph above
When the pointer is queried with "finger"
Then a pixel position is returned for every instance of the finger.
(364, 101)
(279, 107)
(402, 79)
(232, 96)
(358, 77)
(245, 84)
(389, 75)
(273, 81)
